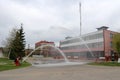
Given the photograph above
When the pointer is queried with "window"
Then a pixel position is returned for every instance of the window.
(111, 35)
(111, 44)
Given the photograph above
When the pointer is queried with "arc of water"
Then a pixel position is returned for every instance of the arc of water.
(87, 46)
(40, 47)
(80, 38)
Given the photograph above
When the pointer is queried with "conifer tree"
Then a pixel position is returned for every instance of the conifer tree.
(18, 44)
(21, 41)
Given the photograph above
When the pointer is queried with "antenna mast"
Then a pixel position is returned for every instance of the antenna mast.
(80, 18)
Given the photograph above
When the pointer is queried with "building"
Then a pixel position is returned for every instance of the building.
(40, 43)
(95, 44)
(46, 50)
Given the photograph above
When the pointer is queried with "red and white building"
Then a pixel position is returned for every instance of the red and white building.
(98, 43)
(40, 43)
(46, 50)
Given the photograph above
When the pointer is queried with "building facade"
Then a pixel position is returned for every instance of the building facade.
(46, 50)
(40, 43)
(95, 44)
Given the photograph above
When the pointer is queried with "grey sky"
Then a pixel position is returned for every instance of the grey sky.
(52, 20)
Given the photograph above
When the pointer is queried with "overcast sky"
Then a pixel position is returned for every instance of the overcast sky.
(53, 20)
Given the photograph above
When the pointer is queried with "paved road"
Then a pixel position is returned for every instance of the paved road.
(79, 72)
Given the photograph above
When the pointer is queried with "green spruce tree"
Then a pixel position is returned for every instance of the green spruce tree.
(21, 44)
(18, 44)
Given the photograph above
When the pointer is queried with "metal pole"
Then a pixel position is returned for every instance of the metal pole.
(80, 23)
(80, 18)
